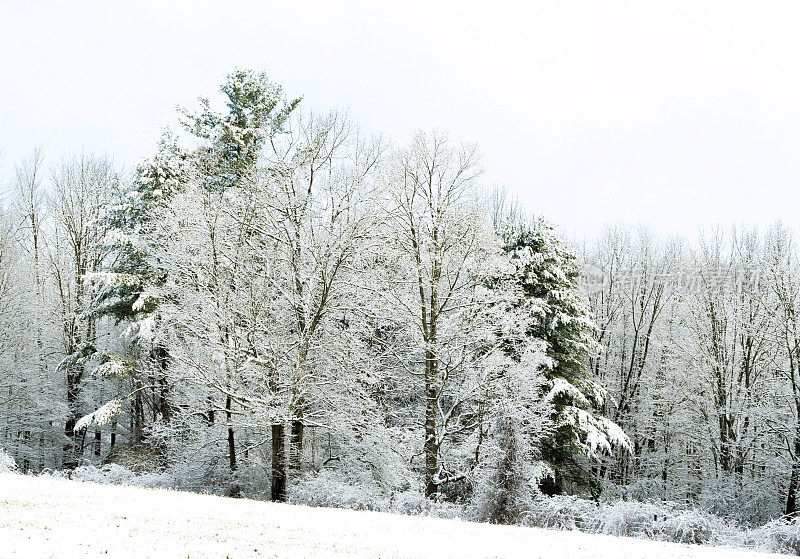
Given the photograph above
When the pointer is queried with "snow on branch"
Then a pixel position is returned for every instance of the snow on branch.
(102, 415)
(599, 433)
(113, 366)
(562, 387)
(79, 357)
(112, 279)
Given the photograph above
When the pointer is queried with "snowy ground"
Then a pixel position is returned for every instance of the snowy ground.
(42, 517)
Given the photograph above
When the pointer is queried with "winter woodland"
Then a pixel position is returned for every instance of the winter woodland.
(279, 306)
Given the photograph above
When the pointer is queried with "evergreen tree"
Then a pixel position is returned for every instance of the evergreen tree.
(233, 141)
(546, 273)
(123, 291)
(126, 289)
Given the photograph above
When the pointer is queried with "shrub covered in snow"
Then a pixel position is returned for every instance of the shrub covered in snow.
(749, 504)
(336, 489)
(627, 518)
(331, 488)
(7, 463)
(778, 536)
(197, 461)
(409, 502)
(114, 474)
(662, 521)
(562, 513)
(650, 520)
(695, 527)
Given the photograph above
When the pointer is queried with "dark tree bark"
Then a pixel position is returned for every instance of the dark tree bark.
(70, 459)
(231, 440)
(210, 416)
(430, 447)
(278, 463)
(137, 432)
(161, 394)
(430, 329)
(794, 481)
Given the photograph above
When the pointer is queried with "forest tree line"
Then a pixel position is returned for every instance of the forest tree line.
(276, 300)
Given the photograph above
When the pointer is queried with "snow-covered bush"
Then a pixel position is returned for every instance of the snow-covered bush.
(207, 474)
(409, 502)
(7, 463)
(195, 458)
(778, 536)
(114, 474)
(446, 509)
(510, 465)
(650, 520)
(645, 490)
(331, 488)
(695, 527)
(749, 504)
(627, 518)
(506, 478)
(335, 489)
(562, 513)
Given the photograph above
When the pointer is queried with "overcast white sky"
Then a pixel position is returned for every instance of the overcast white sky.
(674, 114)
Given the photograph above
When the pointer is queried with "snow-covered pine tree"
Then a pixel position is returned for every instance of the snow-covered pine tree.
(126, 289)
(547, 273)
(232, 141)
(132, 367)
(227, 164)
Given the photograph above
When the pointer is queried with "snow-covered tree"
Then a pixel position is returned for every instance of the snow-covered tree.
(546, 272)
(132, 366)
(782, 273)
(440, 241)
(510, 463)
(81, 189)
(31, 393)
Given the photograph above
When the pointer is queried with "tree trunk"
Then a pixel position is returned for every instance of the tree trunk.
(278, 463)
(794, 479)
(296, 446)
(138, 417)
(430, 447)
(791, 497)
(164, 408)
(70, 460)
(231, 441)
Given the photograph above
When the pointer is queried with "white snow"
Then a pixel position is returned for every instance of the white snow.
(45, 517)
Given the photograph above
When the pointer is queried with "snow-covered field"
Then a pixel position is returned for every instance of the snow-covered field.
(42, 517)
